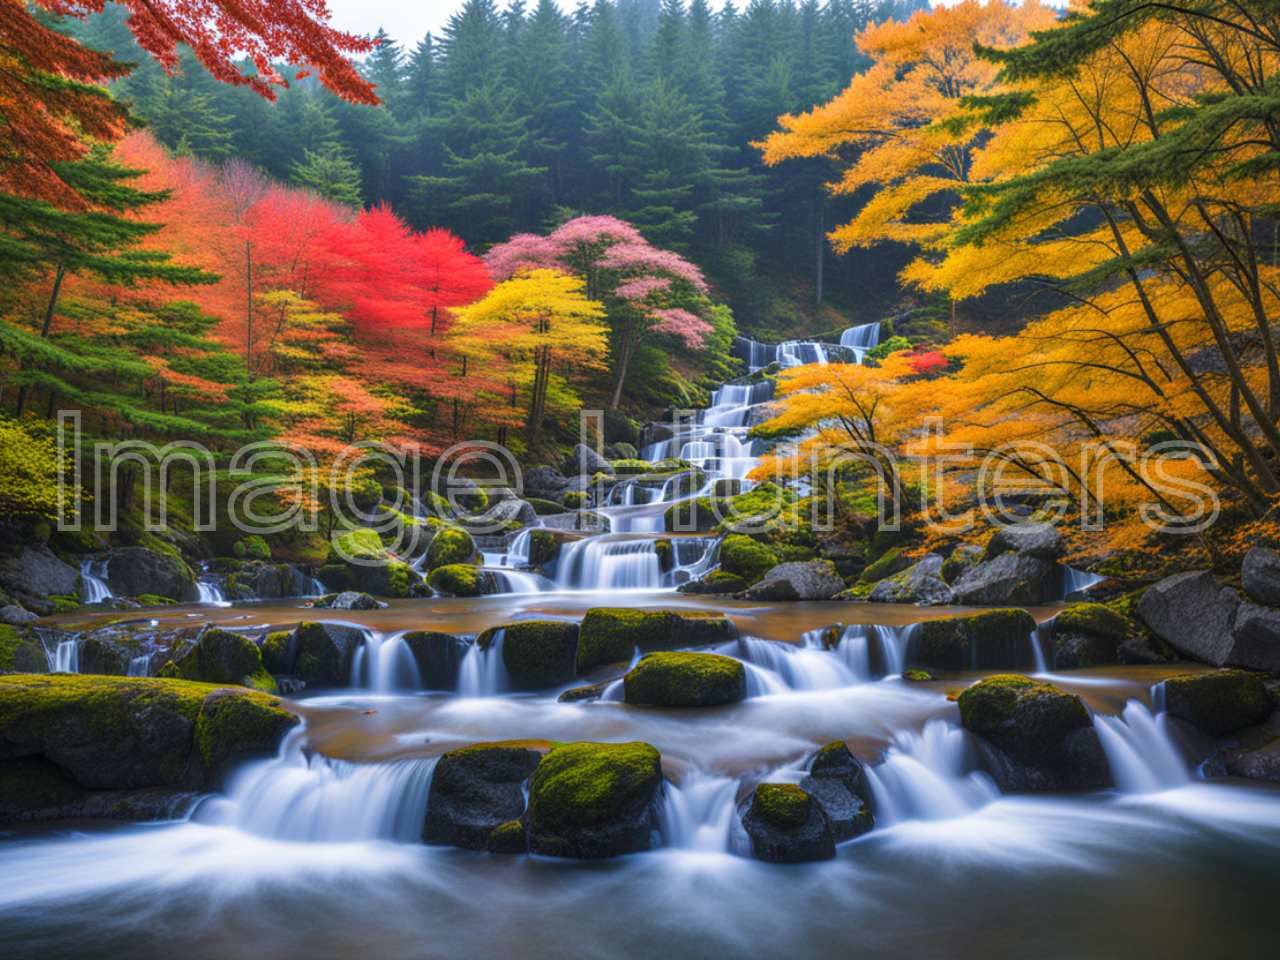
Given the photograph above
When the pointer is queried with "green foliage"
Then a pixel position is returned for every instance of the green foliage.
(28, 471)
(746, 558)
(256, 547)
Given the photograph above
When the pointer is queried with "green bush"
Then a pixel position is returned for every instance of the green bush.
(257, 548)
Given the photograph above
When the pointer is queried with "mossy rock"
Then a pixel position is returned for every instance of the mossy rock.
(666, 555)
(452, 545)
(611, 634)
(682, 679)
(579, 694)
(358, 544)
(1093, 620)
(19, 652)
(1043, 738)
(593, 800)
(276, 651)
(577, 499)
(746, 558)
(699, 515)
(256, 548)
(118, 733)
(893, 561)
(511, 837)
(916, 676)
(545, 508)
(537, 653)
(962, 559)
(220, 656)
(544, 547)
(462, 580)
(323, 653)
(671, 465)
(717, 582)
(626, 468)
(990, 640)
(438, 656)
(726, 487)
(479, 788)
(1218, 702)
(786, 825)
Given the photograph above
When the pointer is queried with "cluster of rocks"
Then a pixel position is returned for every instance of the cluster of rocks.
(34, 579)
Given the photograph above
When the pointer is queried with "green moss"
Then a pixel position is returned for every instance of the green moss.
(1093, 620)
(151, 600)
(916, 676)
(319, 660)
(716, 582)
(892, 562)
(234, 722)
(536, 653)
(544, 547)
(859, 591)
(699, 515)
(65, 603)
(583, 784)
(576, 499)
(257, 548)
(508, 838)
(782, 805)
(275, 651)
(239, 550)
(1218, 702)
(452, 545)
(355, 544)
(624, 468)
(683, 679)
(461, 580)
(766, 499)
(666, 555)
(990, 640)
(221, 656)
(545, 508)
(671, 465)
(994, 701)
(746, 558)
(10, 640)
(610, 634)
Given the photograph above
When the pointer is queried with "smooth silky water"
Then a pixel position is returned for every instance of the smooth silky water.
(314, 852)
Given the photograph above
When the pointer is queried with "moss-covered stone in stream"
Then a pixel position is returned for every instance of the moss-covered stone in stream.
(746, 558)
(1093, 619)
(990, 640)
(786, 825)
(717, 582)
(612, 634)
(682, 679)
(19, 652)
(782, 804)
(478, 788)
(628, 468)
(544, 547)
(666, 555)
(450, 546)
(893, 561)
(545, 508)
(220, 656)
(1088, 635)
(697, 515)
(537, 653)
(275, 651)
(238, 723)
(438, 656)
(323, 652)
(592, 800)
(1218, 702)
(462, 580)
(508, 838)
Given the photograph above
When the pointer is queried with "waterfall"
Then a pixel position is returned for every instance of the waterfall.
(65, 657)
(799, 353)
(302, 796)
(799, 668)
(1141, 751)
(862, 338)
(384, 664)
(1074, 580)
(699, 814)
(596, 564)
(93, 585)
(518, 551)
(316, 588)
(212, 594)
(482, 672)
(515, 581)
(930, 775)
(140, 666)
(871, 650)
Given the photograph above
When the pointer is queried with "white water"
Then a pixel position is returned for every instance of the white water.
(861, 339)
(1074, 580)
(602, 564)
(65, 657)
(93, 581)
(212, 594)
(140, 666)
(302, 796)
(700, 813)
(798, 668)
(385, 664)
(870, 650)
(1141, 751)
(929, 775)
(482, 672)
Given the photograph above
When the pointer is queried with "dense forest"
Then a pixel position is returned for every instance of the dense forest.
(517, 117)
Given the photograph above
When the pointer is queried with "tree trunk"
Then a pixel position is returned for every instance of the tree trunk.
(44, 330)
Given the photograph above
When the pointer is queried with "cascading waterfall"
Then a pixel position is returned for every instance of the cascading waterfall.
(1141, 751)
(140, 666)
(516, 581)
(598, 564)
(302, 796)
(870, 650)
(482, 672)
(65, 657)
(93, 575)
(1074, 580)
(798, 668)
(862, 338)
(385, 664)
(211, 593)
(518, 551)
(930, 775)
(699, 813)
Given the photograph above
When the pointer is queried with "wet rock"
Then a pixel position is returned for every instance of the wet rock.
(698, 515)
(1009, 578)
(511, 837)
(220, 656)
(322, 653)
(1087, 635)
(1255, 637)
(21, 650)
(962, 559)
(1039, 540)
(438, 656)
(138, 571)
(593, 800)
(1220, 702)
(1035, 736)
(716, 582)
(684, 679)
(15, 616)
(584, 461)
(477, 789)
(886, 565)
(450, 545)
(811, 580)
(537, 653)
(462, 580)
(837, 782)
(786, 825)
(349, 600)
(1192, 613)
(1253, 755)
(269, 582)
(775, 591)
(580, 694)
(103, 653)
(1260, 575)
(1140, 650)
(33, 575)
(611, 635)
(66, 739)
(502, 515)
(990, 640)
(920, 583)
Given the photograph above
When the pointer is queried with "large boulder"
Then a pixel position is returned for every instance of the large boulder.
(21, 650)
(34, 574)
(592, 800)
(809, 580)
(477, 789)
(1087, 635)
(1255, 638)
(138, 571)
(611, 635)
(348, 600)
(15, 616)
(837, 782)
(920, 583)
(990, 640)
(537, 653)
(220, 656)
(683, 679)
(584, 461)
(543, 483)
(962, 559)
(438, 656)
(1007, 579)
(462, 580)
(1260, 575)
(1218, 702)
(321, 653)
(85, 746)
(1039, 540)
(266, 581)
(502, 515)
(1035, 736)
(717, 582)
(786, 825)
(450, 545)
(1192, 613)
